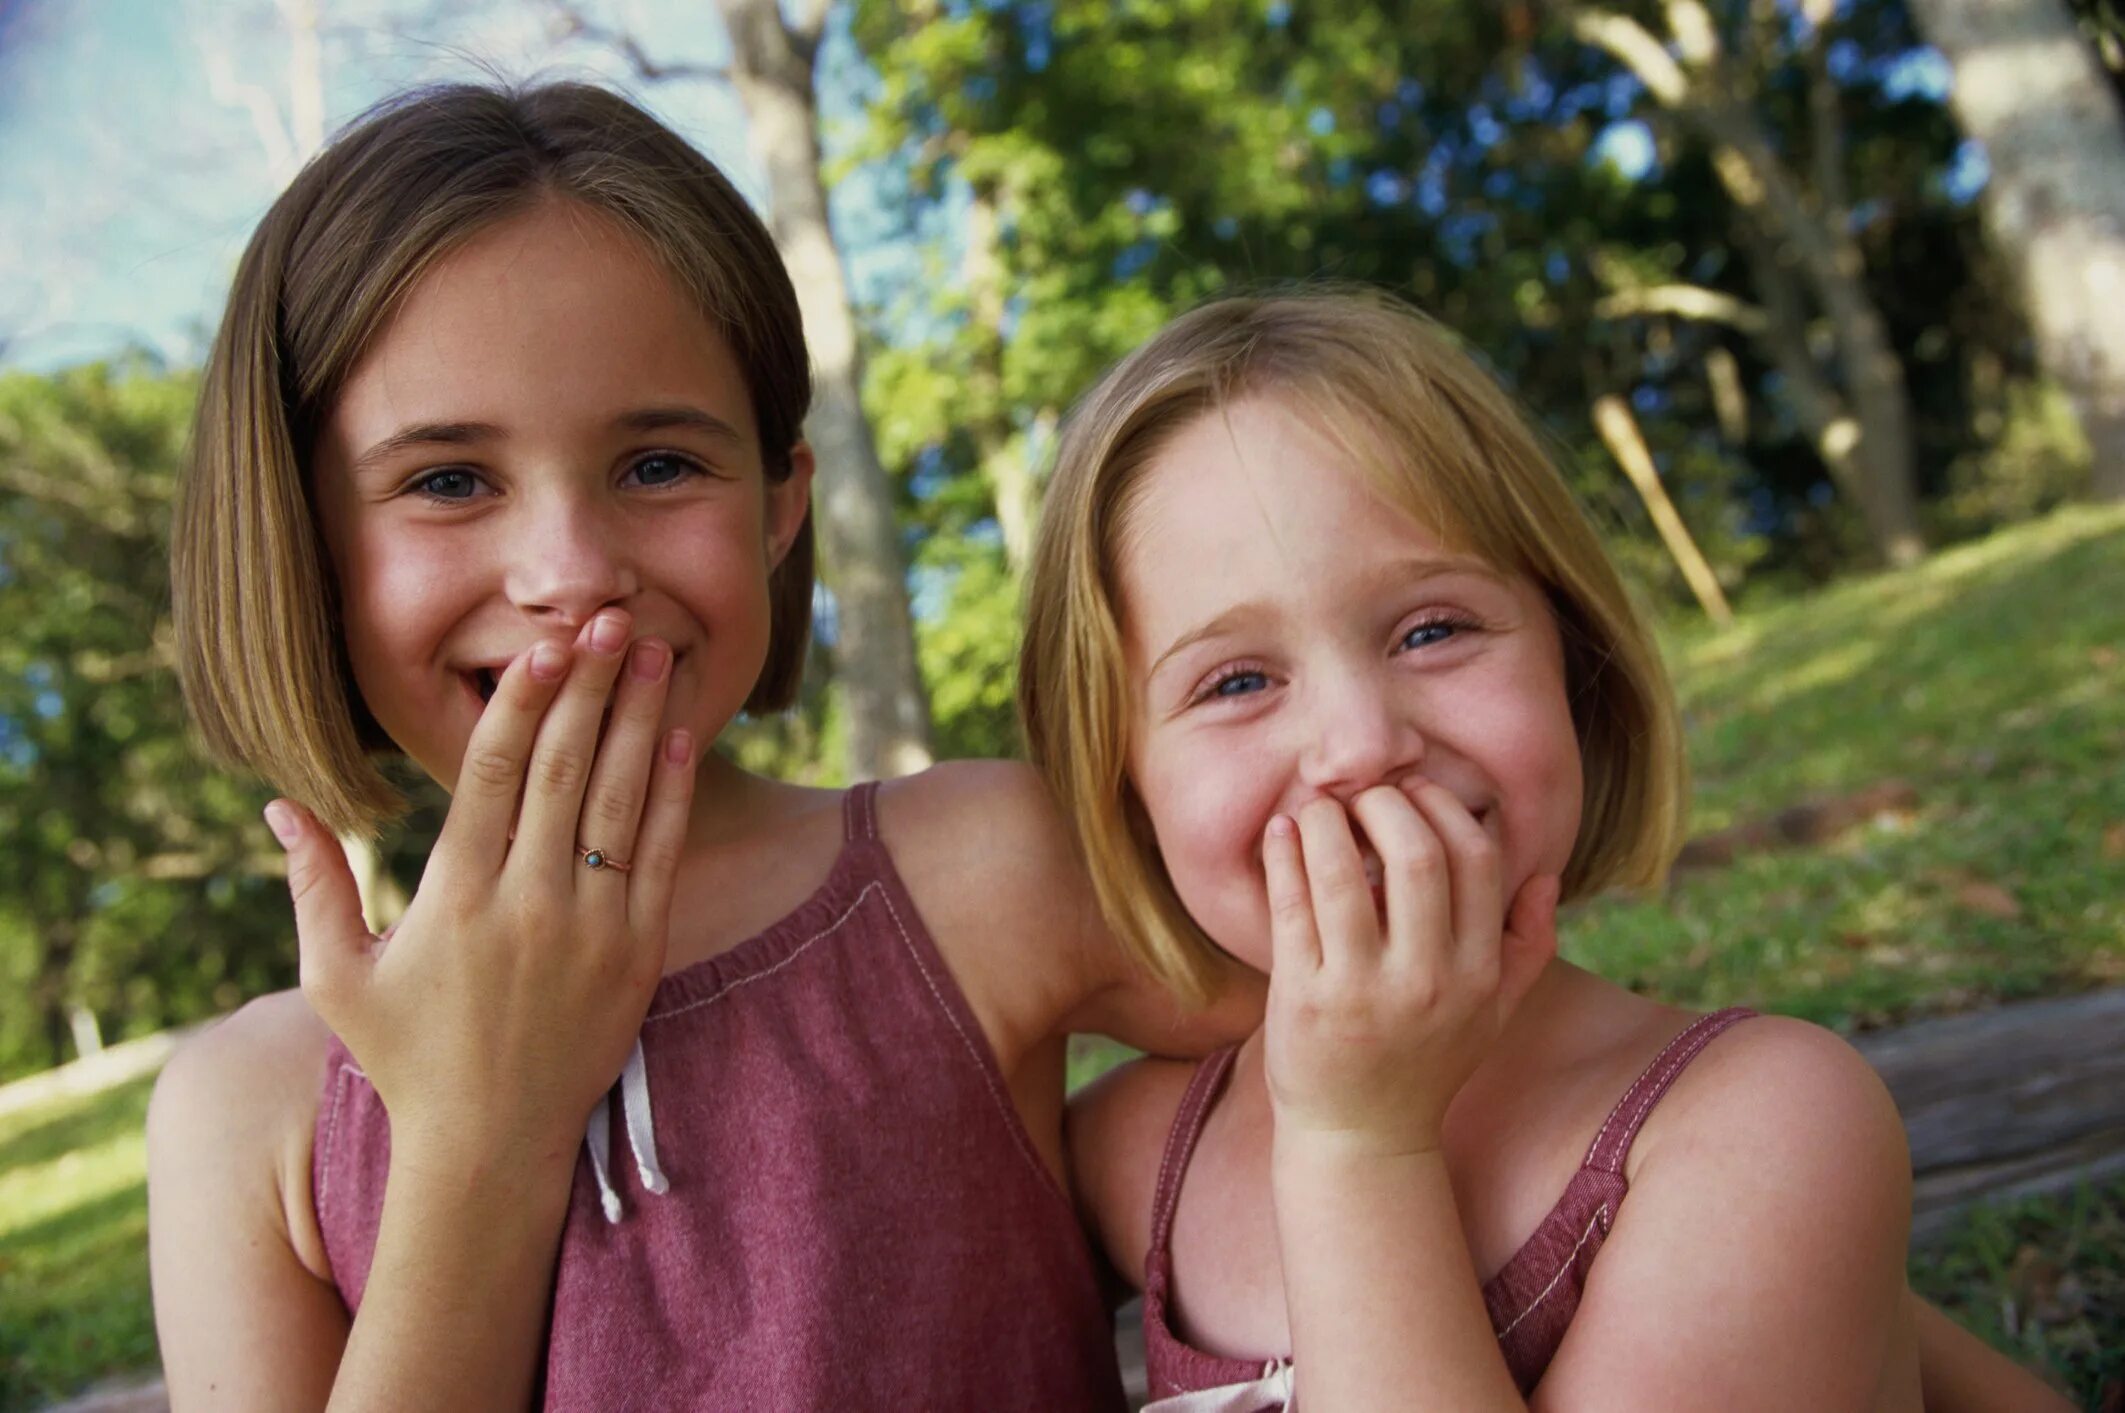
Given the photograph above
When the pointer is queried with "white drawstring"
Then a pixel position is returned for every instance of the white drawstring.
(641, 1135)
(641, 1128)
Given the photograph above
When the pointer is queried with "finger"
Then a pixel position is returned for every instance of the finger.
(1344, 913)
(612, 804)
(331, 935)
(1472, 866)
(1294, 944)
(566, 746)
(1415, 874)
(490, 778)
(661, 841)
(1530, 937)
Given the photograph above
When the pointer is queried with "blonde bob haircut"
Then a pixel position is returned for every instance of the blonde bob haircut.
(259, 645)
(1436, 438)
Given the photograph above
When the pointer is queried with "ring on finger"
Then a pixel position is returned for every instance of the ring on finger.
(595, 859)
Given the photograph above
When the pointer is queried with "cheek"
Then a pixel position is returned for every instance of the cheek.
(1208, 810)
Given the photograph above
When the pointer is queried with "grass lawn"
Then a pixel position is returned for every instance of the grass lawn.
(73, 1244)
(1991, 680)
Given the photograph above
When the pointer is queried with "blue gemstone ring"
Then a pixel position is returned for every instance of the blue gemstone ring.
(598, 858)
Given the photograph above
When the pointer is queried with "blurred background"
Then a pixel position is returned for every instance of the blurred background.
(1822, 303)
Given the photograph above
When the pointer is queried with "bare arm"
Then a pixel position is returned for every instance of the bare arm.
(1379, 1010)
(245, 1309)
(1963, 1374)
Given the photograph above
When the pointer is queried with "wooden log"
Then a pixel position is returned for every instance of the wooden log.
(2024, 1099)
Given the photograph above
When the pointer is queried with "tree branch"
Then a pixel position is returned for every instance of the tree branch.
(569, 23)
(1632, 45)
(1684, 302)
(810, 26)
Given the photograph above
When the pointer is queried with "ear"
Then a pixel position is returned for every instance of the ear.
(787, 503)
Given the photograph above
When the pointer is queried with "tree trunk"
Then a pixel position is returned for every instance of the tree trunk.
(2030, 90)
(1813, 243)
(1005, 464)
(874, 646)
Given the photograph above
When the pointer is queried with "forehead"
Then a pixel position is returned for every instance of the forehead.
(1248, 499)
(548, 315)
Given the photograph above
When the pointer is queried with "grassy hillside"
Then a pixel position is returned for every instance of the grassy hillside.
(1991, 683)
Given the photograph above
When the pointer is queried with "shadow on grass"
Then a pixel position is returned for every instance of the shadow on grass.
(82, 1123)
(74, 1301)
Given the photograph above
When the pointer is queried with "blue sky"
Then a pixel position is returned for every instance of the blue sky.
(127, 187)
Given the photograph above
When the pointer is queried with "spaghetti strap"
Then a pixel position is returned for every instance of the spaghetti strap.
(1613, 1142)
(859, 813)
(1181, 1139)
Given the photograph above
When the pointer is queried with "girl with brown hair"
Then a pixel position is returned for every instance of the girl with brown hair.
(499, 464)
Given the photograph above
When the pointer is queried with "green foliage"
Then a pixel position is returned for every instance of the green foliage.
(136, 886)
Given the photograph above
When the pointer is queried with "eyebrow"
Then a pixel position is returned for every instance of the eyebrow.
(1404, 572)
(425, 434)
(676, 416)
(681, 417)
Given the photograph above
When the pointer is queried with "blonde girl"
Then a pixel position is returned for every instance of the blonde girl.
(675, 1086)
(1331, 676)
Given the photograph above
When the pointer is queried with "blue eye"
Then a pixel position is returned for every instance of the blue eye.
(1239, 684)
(1436, 631)
(662, 469)
(448, 485)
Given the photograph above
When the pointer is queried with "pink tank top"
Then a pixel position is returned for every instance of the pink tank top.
(1531, 1300)
(823, 1197)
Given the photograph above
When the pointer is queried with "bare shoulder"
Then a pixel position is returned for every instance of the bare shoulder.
(252, 1072)
(1116, 1134)
(233, 1112)
(990, 820)
(1763, 1236)
(992, 869)
(1774, 1089)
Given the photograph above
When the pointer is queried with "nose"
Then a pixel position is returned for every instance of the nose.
(1358, 734)
(568, 559)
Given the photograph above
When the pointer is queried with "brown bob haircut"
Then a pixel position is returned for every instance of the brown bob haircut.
(258, 636)
(1435, 437)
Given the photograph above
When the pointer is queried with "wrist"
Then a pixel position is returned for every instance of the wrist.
(473, 1165)
(1300, 1147)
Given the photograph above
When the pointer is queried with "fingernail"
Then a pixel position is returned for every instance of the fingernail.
(679, 746)
(1281, 827)
(647, 662)
(608, 633)
(548, 661)
(280, 818)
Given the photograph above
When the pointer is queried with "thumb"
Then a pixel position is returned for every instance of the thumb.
(1530, 936)
(329, 929)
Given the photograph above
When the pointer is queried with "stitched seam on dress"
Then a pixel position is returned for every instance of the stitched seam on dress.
(764, 972)
(859, 819)
(1012, 1123)
(324, 1180)
(1681, 1038)
(1584, 1237)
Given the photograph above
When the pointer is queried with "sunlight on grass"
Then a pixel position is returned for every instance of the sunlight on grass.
(74, 1300)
